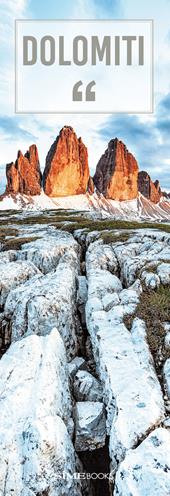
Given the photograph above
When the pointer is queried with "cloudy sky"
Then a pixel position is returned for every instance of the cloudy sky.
(147, 136)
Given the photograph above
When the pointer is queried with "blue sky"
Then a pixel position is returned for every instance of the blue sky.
(57, 9)
(148, 137)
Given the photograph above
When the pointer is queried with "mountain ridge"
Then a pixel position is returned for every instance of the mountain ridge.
(66, 173)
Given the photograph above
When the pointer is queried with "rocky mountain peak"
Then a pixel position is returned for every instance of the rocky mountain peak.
(66, 171)
(116, 172)
(150, 190)
(65, 128)
(24, 175)
(19, 154)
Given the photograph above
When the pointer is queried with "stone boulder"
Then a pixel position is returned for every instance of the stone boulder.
(24, 176)
(116, 172)
(164, 273)
(150, 279)
(66, 171)
(86, 387)
(90, 426)
(35, 446)
(166, 327)
(145, 470)
(8, 256)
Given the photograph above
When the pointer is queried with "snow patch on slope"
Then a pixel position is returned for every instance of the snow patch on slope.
(96, 205)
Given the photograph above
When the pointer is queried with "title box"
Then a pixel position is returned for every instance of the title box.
(84, 66)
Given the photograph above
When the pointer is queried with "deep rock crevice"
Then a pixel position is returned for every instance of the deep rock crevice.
(95, 462)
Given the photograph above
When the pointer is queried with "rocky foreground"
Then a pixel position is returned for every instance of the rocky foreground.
(85, 361)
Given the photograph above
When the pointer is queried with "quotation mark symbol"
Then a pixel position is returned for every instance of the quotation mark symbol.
(89, 94)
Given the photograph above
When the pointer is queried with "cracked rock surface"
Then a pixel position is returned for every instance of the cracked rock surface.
(85, 363)
(146, 469)
(45, 301)
(132, 392)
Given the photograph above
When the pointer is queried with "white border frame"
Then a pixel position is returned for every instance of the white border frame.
(151, 111)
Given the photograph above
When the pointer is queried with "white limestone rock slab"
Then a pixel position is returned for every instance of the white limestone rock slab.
(90, 426)
(48, 459)
(102, 257)
(164, 253)
(35, 447)
(46, 253)
(166, 423)
(138, 399)
(164, 272)
(132, 393)
(102, 284)
(151, 280)
(8, 256)
(86, 387)
(96, 304)
(141, 347)
(128, 296)
(166, 326)
(13, 274)
(140, 252)
(117, 313)
(129, 262)
(110, 300)
(137, 286)
(33, 366)
(167, 376)
(167, 341)
(146, 469)
(43, 303)
(92, 236)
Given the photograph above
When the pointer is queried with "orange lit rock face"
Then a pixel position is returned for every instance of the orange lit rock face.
(12, 178)
(66, 172)
(149, 189)
(117, 172)
(24, 176)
